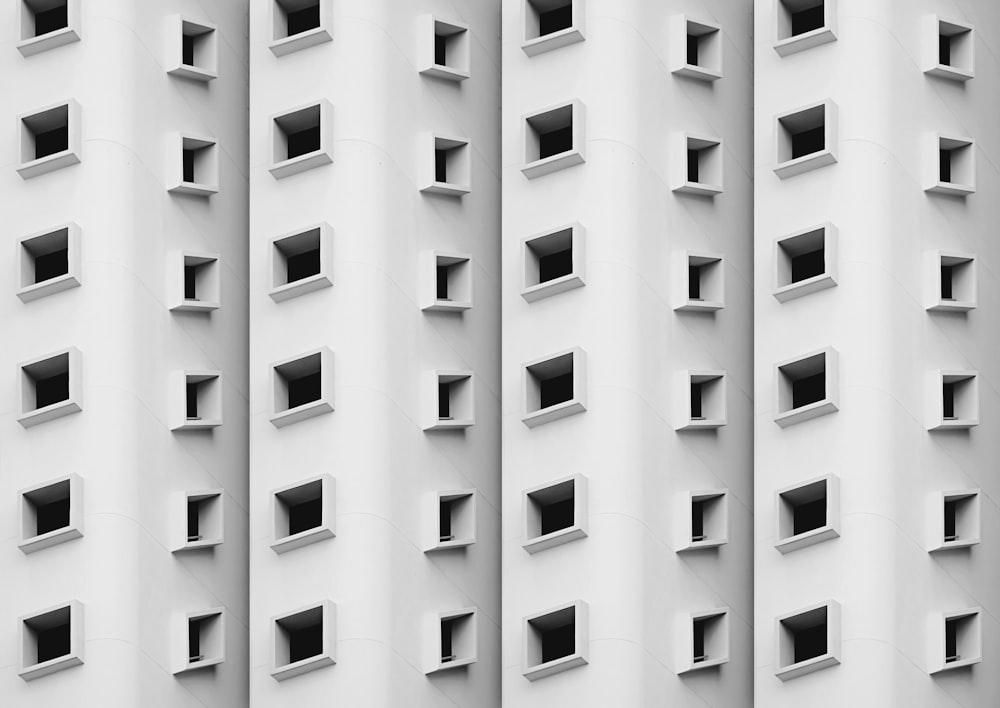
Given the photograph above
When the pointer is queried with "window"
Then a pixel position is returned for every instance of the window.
(553, 262)
(553, 139)
(50, 640)
(695, 49)
(202, 526)
(705, 519)
(303, 513)
(449, 395)
(699, 169)
(707, 636)
(49, 262)
(804, 24)
(959, 639)
(299, 24)
(204, 640)
(551, 24)
(47, 24)
(808, 640)
(302, 387)
(951, 281)
(304, 640)
(958, 520)
(197, 400)
(445, 53)
(555, 513)
(454, 520)
(954, 402)
(49, 387)
(806, 387)
(194, 52)
(455, 643)
(301, 139)
(808, 513)
(50, 139)
(194, 282)
(450, 172)
(301, 262)
(807, 139)
(805, 262)
(197, 169)
(554, 387)
(698, 282)
(51, 513)
(953, 163)
(949, 49)
(447, 282)
(555, 640)
(701, 400)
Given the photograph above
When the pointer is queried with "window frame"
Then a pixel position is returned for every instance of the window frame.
(787, 671)
(283, 45)
(31, 45)
(533, 45)
(466, 405)
(31, 671)
(33, 542)
(468, 520)
(30, 417)
(30, 291)
(280, 417)
(786, 43)
(29, 166)
(534, 671)
(781, 263)
(533, 167)
(784, 515)
(328, 515)
(686, 635)
(428, 27)
(531, 515)
(212, 396)
(933, 26)
(180, 26)
(180, 143)
(830, 403)
(531, 416)
(182, 661)
(328, 655)
(787, 166)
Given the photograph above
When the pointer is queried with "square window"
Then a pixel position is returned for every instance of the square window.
(49, 387)
(555, 640)
(445, 50)
(701, 400)
(957, 640)
(299, 24)
(303, 513)
(555, 513)
(806, 139)
(304, 640)
(804, 24)
(706, 636)
(952, 163)
(699, 167)
(302, 387)
(554, 387)
(301, 139)
(954, 400)
(50, 139)
(806, 387)
(49, 262)
(553, 139)
(704, 517)
(197, 166)
(808, 640)
(455, 644)
(698, 282)
(553, 262)
(301, 262)
(551, 24)
(449, 401)
(47, 24)
(695, 49)
(50, 640)
(949, 51)
(808, 513)
(957, 520)
(51, 513)
(193, 281)
(805, 262)
(199, 520)
(204, 640)
(446, 282)
(450, 171)
(454, 520)
(196, 400)
(951, 281)
(194, 52)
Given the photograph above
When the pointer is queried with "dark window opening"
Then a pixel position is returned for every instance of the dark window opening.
(51, 20)
(187, 49)
(192, 401)
(810, 642)
(190, 279)
(944, 50)
(303, 20)
(699, 640)
(555, 142)
(304, 141)
(441, 291)
(193, 520)
(945, 163)
(304, 389)
(187, 165)
(692, 50)
(556, 19)
(947, 282)
(555, 265)
(51, 265)
(440, 50)
(808, 389)
(694, 282)
(52, 515)
(808, 265)
(447, 630)
(194, 640)
(808, 19)
(556, 516)
(950, 520)
(948, 396)
(808, 141)
(558, 642)
(51, 141)
(51, 389)
(698, 520)
(692, 174)
(444, 401)
(440, 165)
(302, 265)
(445, 532)
(556, 389)
(305, 515)
(52, 642)
(304, 642)
(696, 408)
(808, 516)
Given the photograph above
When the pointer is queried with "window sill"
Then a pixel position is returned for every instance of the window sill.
(707, 543)
(802, 42)
(446, 189)
(194, 73)
(203, 664)
(302, 667)
(552, 287)
(699, 188)
(44, 415)
(194, 188)
(957, 424)
(804, 413)
(707, 424)
(195, 306)
(950, 72)
(699, 73)
(447, 73)
(700, 306)
(804, 287)
(300, 413)
(49, 667)
(298, 42)
(547, 415)
(953, 306)
(551, 540)
(199, 424)
(806, 163)
(555, 666)
(300, 287)
(809, 538)
(301, 163)
(553, 163)
(707, 664)
(303, 538)
(52, 538)
(199, 545)
(447, 545)
(37, 45)
(457, 423)
(49, 163)
(48, 287)
(448, 306)
(549, 42)
(957, 665)
(962, 543)
(806, 667)
(952, 188)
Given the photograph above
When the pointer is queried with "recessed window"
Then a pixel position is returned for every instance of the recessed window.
(701, 400)
(194, 282)
(299, 24)
(197, 400)
(448, 171)
(551, 24)
(555, 640)
(807, 139)
(202, 515)
(49, 387)
(808, 513)
(553, 139)
(446, 53)
(954, 166)
(303, 513)
(554, 387)
(960, 640)
(957, 402)
(450, 394)
(707, 516)
(301, 262)
(456, 640)
(301, 139)
(804, 24)
(50, 139)
(699, 282)
(950, 50)
(194, 49)
(198, 160)
(204, 644)
(958, 520)
(447, 282)
(455, 515)
(709, 640)
(47, 24)
(807, 387)
(50, 513)
(50, 640)
(304, 640)
(302, 387)
(49, 262)
(696, 49)
(553, 262)
(805, 262)
(808, 640)
(701, 162)
(951, 282)
(555, 513)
